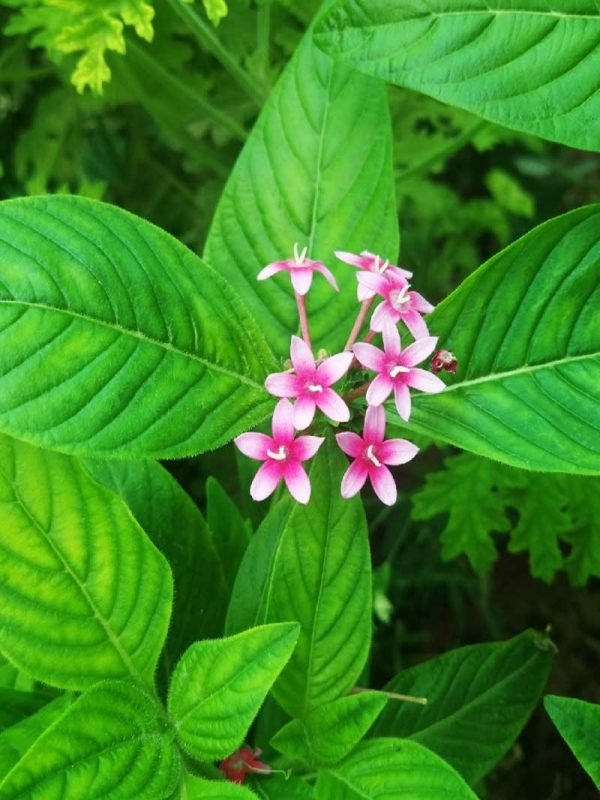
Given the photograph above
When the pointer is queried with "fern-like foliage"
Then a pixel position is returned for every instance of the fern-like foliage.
(553, 517)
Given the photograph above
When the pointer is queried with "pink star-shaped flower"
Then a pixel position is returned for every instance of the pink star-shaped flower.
(371, 263)
(310, 384)
(371, 453)
(236, 766)
(282, 455)
(301, 271)
(397, 369)
(399, 303)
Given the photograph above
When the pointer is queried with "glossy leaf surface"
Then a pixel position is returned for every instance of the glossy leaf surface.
(533, 66)
(117, 340)
(579, 724)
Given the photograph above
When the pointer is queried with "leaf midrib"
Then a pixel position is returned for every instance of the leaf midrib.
(136, 334)
(496, 12)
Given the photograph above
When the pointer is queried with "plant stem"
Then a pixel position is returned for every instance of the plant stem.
(207, 39)
(301, 303)
(356, 328)
(263, 36)
(406, 698)
(358, 392)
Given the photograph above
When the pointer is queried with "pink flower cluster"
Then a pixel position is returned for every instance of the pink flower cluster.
(310, 382)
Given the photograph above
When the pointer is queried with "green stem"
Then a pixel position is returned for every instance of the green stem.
(207, 39)
(263, 36)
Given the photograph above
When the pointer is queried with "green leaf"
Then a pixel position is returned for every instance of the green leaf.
(116, 340)
(386, 768)
(321, 578)
(523, 328)
(16, 740)
(215, 10)
(578, 723)
(230, 531)
(486, 687)
(112, 743)
(275, 787)
(331, 731)
(84, 595)
(317, 170)
(530, 67)
(219, 685)
(199, 788)
(15, 705)
(174, 523)
(584, 537)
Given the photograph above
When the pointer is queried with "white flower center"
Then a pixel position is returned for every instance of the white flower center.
(399, 298)
(371, 456)
(314, 387)
(380, 266)
(398, 370)
(280, 454)
(299, 257)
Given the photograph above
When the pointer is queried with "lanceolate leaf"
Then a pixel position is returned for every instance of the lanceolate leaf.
(230, 531)
(112, 743)
(176, 526)
(386, 768)
(579, 724)
(321, 578)
(487, 687)
(219, 685)
(116, 340)
(524, 328)
(84, 595)
(317, 170)
(533, 66)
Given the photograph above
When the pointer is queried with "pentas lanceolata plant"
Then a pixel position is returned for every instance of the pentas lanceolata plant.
(309, 381)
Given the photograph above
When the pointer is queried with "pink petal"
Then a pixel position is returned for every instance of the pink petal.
(254, 445)
(391, 340)
(399, 272)
(304, 412)
(425, 381)
(302, 357)
(282, 384)
(354, 478)
(374, 430)
(419, 303)
(375, 282)
(383, 484)
(415, 324)
(384, 314)
(327, 274)
(362, 261)
(397, 451)
(301, 279)
(362, 293)
(403, 402)
(370, 356)
(419, 350)
(305, 447)
(332, 405)
(283, 426)
(350, 443)
(380, 389)
(297, 481)
(271, 269)
(334, 368)
(266, 480)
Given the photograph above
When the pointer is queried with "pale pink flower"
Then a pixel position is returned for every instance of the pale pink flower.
(397, 369)
(282, 455)
(301, 271)
(399, 303)
(310, 384)
(371, 453)
(371, 263)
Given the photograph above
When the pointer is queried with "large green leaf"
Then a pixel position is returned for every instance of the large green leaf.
(200, 788)
(321, 578)
(84, 595)
(117, 340)
(317, 170)
(219, 685)
(579, 724)
(276, 787)
(524, 328)
(230, 531)
(331, 731)
(533, 66)
(15, 705)
(176, 526)
(491, 687)
(392, 768)
(112, 743)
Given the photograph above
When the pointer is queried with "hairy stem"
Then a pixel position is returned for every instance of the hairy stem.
(356, 328)
(301, 303)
